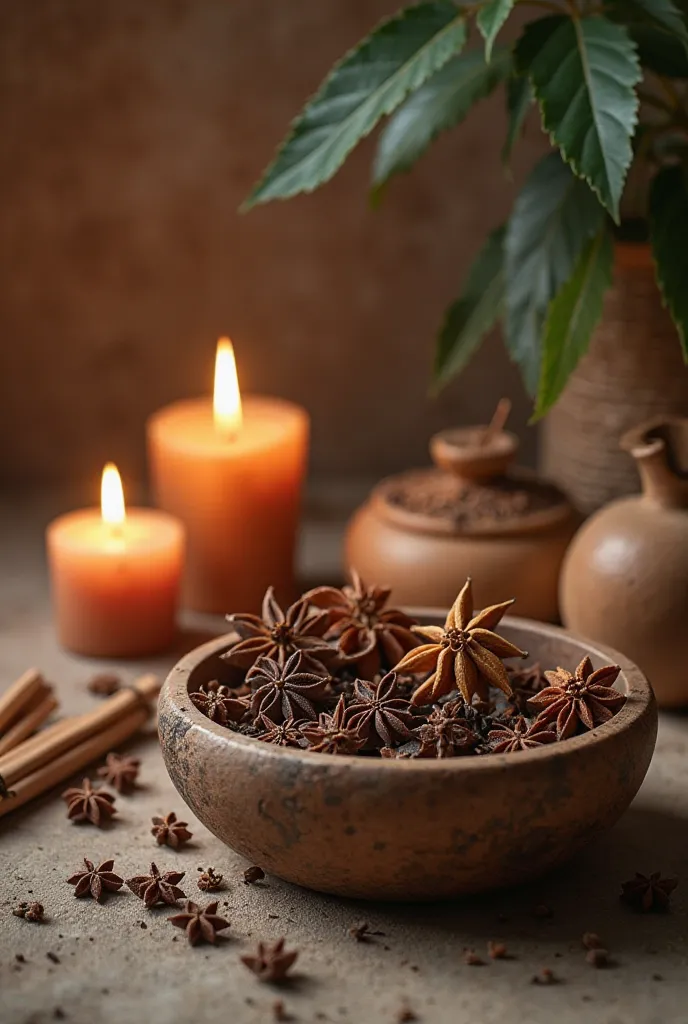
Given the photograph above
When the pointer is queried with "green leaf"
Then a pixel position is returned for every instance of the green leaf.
(660, 14)
(572, 317)
(490, 19)
(519, 98)
(474, 313)
(659, 30)
(669, 235)
(584, 72)
(443, 102)
(368, 83)
(554, 216)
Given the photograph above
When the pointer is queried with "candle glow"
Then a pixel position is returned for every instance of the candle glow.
(112, 508)
(227, 413)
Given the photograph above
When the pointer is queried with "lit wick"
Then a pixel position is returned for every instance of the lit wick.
(112, 508)
(227, 413)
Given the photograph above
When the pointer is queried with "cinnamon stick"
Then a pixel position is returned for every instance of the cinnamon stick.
(28, 724)
(31, 755)
(73, 760)
(19, 696)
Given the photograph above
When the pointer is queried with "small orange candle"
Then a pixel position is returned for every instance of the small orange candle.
(232, 471)
(115, 576)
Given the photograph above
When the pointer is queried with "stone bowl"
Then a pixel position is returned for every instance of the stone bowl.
(409, 830)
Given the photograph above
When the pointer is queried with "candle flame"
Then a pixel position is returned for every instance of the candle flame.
(112, 496)
(226, 397)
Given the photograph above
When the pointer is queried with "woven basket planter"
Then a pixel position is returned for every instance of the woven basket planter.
(632, 371)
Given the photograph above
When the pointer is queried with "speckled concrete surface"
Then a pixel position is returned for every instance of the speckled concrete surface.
(112, 969)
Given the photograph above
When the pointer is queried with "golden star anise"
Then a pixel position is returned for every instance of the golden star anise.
(89, 804)
(96, 881)
(586, 698)
(120, 771)
(367, 633)
(520, 735)
(279, 634)
(201, 924)
(464, 654)
(270, 963)
(170, 832)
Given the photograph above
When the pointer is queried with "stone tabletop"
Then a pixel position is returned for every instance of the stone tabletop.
(119, 962)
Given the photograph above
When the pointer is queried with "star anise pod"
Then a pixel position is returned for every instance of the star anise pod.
(157, 887)
(219, 705)
(647, 894)
(285, 691)
(364, 630)
(525, 683)
(96, 881)
(586, 698)
(88, 804)
(376, 712)
(120, 771)
(283, 734)
(279, 634)
(446, 733)
(270, 963)
(464, 654)
(30, 911)
(520, 735)
(332, 734)
(170, 832)
(209, 880)
(201, 924)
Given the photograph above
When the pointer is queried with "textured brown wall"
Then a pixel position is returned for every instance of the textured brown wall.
(129, 133)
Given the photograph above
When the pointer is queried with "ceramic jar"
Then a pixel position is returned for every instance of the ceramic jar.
(423, 532)
(625, 578)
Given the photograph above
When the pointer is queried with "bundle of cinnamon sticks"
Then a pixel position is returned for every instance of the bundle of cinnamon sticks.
(31, 764)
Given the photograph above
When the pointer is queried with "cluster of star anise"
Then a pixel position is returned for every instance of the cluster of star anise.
(339, 672)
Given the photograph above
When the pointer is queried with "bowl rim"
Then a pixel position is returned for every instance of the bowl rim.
(640, 704)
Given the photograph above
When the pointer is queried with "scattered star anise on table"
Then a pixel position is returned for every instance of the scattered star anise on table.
(270, 963)
(282, 734)
(201, 924)
(332, 734)
(464, 654)
(219, 705)
(209, 880)
(286, 691)
(586, 698)
(89, 804)
(365, 631)
(96, 881)
(104, 684)
(31, 911)
(519, 734)
(278, 634)
(648, 894)
(170, 832)
(120, 772)
(378, 714)
(446, 733)
(157, 887)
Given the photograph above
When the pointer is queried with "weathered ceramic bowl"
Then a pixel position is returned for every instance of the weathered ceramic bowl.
(409, 830)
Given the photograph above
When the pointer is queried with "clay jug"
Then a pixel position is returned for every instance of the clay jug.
(625, 577)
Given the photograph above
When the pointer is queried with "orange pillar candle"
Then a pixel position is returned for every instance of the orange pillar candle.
(232, 471)
(115, 576)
